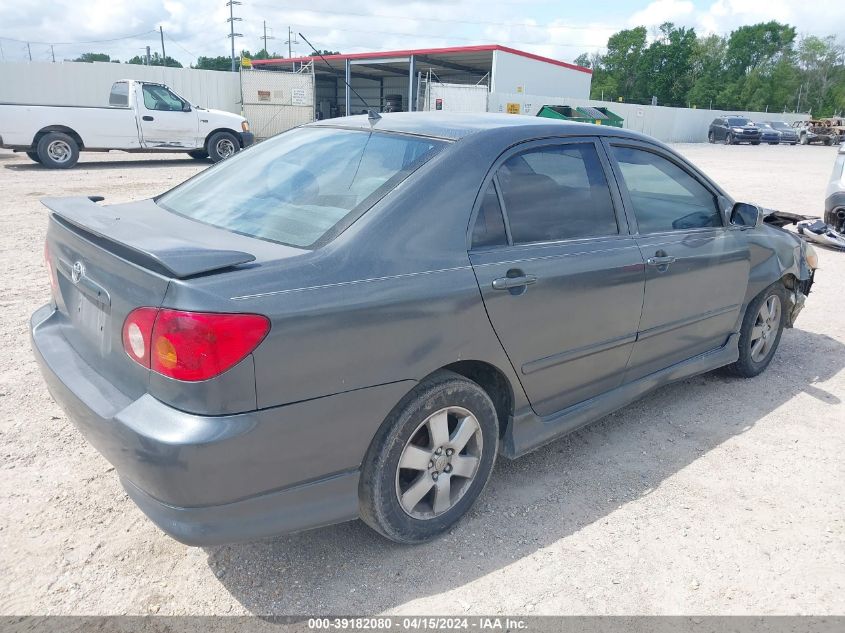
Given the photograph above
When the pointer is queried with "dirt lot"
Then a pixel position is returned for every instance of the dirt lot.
(714, 495)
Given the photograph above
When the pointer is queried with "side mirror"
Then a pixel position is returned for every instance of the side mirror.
(746, 215)
(186, 107)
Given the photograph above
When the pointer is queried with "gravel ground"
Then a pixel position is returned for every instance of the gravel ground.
(711, 496)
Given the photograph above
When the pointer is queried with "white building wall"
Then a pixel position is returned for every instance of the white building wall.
(523, 75)
(88, 84)
(670, 125)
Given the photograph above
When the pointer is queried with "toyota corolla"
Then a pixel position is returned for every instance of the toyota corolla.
(354, 318)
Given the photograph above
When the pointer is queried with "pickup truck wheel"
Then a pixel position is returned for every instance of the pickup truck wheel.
(33, 156)
(222, 145)
(430, 460)
(57, 150)
(199, 154)
(762, 327)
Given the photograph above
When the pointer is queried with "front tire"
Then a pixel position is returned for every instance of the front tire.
(57, 150)
(729, 139)
(222, 145)
(430, 460)
(34, 156)
(762, 327)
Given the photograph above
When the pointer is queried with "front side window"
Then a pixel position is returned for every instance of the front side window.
(557, 193)
(297, 187)
(160, 98)
(664, 196)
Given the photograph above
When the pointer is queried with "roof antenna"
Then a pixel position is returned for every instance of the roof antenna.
(372, 116)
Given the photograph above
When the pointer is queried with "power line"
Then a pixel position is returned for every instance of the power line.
(114, 39)
(547, 25)
(172, 41)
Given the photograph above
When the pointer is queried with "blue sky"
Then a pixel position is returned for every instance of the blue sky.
(558, 29)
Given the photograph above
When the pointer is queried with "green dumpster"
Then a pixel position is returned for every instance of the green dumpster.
(601, 116)
(566, 113)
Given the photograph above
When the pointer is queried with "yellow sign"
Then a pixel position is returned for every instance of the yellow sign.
(513, 108)
(598, 121)
(245, 62)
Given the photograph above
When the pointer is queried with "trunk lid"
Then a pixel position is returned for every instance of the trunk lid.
(110, 260)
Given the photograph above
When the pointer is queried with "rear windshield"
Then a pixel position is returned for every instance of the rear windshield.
(303, 187)
(738, 121)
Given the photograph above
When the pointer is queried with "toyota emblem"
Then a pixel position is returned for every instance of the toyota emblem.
(77, 272)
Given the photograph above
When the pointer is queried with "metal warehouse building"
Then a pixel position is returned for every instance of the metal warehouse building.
(456, 79)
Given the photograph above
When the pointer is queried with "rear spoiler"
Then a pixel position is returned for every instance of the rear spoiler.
(147, 235)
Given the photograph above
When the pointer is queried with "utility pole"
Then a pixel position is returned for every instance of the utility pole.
(148, 56)
(29, 51)
(265, 38)
(52, 53)
(289, 42)
(231, 20)
(163, 55)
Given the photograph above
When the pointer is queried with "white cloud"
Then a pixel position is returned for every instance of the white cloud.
(662, 11)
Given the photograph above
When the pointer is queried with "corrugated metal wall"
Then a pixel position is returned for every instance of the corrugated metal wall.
(518, 74)
(670, 125)
(455, 97)
(276, 101)
(78, 83)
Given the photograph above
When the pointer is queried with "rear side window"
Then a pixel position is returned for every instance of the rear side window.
(664, 196)
(557, 193)
(489, 229)
(119, 95)
(301, 187)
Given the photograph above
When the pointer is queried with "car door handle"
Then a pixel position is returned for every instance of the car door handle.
(507, 283)
(147, 117)
(659, 261)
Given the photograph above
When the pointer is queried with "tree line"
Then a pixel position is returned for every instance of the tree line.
(222, 62)
(758, 67)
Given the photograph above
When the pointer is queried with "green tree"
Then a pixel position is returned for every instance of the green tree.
(622, 60)
(665, 67)
(93, 57)
(707, 71)
(155, 60)
(821, 60)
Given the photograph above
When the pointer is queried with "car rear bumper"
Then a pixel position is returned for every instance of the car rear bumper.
(217, 479)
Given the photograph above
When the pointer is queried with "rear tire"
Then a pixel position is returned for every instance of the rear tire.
(762, 327)
(711, 138)
(222, 145)
(34, 156)
(411, 489)
(199, 154)
(57, 150)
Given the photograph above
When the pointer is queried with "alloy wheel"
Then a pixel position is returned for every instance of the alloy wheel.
(765, 330)
(439, 463)
(225, 148)
(59, 151)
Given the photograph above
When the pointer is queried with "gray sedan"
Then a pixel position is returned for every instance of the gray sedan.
(354, 318)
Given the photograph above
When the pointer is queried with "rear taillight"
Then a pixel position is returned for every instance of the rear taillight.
(191, 346)
(54, 281)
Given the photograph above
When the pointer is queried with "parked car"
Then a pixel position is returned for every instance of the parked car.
(141, 117)
(768, 134)
(823, 131)
(787, 133)
(353, 318)
(733, 130)
(834, 204)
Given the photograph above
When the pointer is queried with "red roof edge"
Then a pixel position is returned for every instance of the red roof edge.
(426, 51)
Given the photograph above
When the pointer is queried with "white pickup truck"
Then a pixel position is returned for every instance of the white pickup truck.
(141, 117)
